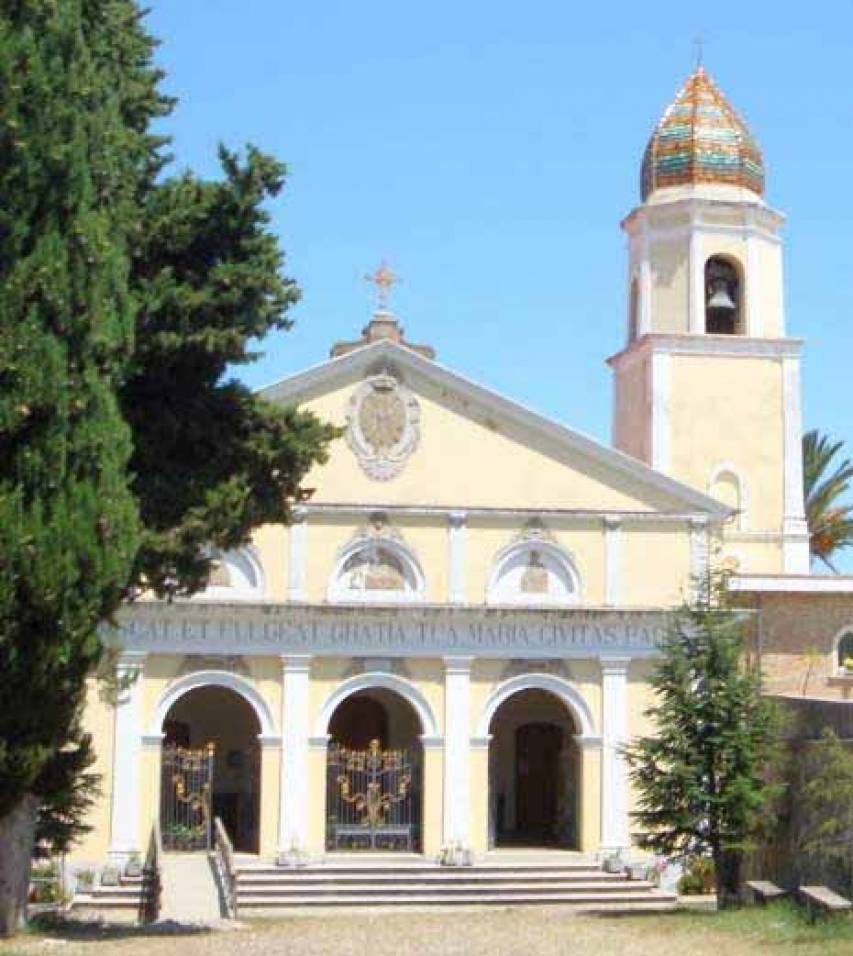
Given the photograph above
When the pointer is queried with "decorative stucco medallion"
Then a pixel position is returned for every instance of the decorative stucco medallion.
(383, 426)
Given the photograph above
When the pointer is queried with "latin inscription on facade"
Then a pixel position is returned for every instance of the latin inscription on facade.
(189, 629)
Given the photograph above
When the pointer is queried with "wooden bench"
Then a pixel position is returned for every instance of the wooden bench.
(763, 891)
(821, 899)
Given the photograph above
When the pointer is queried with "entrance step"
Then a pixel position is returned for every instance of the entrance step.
(266, 889)
(115, 903)
(190, 889)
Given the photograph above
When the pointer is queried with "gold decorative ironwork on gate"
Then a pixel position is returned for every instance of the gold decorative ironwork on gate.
(185, 798)
(373, 799)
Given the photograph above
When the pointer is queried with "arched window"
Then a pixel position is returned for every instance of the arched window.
(723, 297)
(536, 572)
(235, 576)
(844, 652)
(377, 571)
(726, 485)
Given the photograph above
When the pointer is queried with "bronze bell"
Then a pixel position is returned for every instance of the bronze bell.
(721, 298)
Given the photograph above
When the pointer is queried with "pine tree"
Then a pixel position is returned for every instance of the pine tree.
(823, 799)
(212, 461)
(700, 778)
(68, 523)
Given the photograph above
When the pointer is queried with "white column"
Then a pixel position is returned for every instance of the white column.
(296, 556)
(614, 728)
(795, 530)
(293, 803)
(751, 285)
(457, 535)
(127, 758)
(660, 411)
(612, 560)
(696, 278)
(699, 555)
(457, 749)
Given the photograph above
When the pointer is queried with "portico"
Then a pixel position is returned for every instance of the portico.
(427, 681)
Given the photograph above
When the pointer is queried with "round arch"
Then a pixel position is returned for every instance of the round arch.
(841, 644)
(362, 682)
(562, 562)
(562, 689)
(720, 472)
(337, 591)
(212, 678)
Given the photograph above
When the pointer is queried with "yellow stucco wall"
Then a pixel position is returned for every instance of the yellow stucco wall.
(712, 423)
(462, 462)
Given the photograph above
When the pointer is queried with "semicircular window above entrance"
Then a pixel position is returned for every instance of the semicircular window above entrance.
(235, 576)
(533, 573)
(377, 571)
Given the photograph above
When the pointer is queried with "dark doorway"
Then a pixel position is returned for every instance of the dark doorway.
(533, 773)
(373, 778)
(221, 717)
(537, 757)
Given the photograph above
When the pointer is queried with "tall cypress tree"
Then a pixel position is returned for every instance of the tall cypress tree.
(701, 778)
(68, 523)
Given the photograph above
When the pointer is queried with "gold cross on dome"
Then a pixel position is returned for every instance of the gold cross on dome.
(383, 279)
(699, 44)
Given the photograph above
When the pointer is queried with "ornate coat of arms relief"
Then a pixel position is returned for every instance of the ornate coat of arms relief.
(383, 426)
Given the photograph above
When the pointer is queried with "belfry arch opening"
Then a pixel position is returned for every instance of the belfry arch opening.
(534, 773)
(723, 297)
(374, 792)
(210, 768)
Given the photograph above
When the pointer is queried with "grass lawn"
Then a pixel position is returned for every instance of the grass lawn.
(521, 931)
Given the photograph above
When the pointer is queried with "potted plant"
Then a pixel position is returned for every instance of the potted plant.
(85, 880)
(847, 666)
(133, 867)
(613, 862)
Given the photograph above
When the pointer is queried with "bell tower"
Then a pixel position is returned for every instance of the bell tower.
(707, 387)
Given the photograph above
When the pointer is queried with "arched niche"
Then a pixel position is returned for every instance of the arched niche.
(727, 485)
(842, 651)
(235, 576)
(380, 570)
(533, 573)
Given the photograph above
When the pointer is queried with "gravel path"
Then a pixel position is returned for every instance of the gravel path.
(529, 931)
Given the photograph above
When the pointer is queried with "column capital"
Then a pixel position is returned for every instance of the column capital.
(614, 665)
(698, 522)
(298, 514)
(612, 522)
(296, 663)
(131, 660)
(457, 519)
(457, 664)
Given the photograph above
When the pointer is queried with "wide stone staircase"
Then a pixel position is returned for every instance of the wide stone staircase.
(115, 903)
(394, 880)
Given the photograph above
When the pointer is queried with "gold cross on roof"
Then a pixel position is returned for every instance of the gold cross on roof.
(383, 279)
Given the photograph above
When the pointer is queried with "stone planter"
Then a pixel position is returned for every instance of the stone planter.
(612, 864)
(637, 871)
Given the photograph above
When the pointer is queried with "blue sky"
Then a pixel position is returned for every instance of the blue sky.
(489, 151)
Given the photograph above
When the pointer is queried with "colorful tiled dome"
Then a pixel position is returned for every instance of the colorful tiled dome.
(701, 139)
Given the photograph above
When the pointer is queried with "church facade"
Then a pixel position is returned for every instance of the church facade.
(453, 639)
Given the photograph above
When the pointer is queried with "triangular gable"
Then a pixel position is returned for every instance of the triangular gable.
(429, 376)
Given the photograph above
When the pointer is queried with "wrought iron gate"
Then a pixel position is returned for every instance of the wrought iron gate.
(373, 799)
(185, 818)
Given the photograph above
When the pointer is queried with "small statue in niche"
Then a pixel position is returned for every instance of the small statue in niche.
(377, 571)
(534, 579)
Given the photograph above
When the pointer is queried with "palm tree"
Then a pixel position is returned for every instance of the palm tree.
(824, 482)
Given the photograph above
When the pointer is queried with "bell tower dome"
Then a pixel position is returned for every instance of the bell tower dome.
(707, 388)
